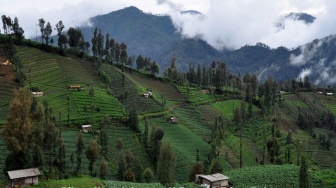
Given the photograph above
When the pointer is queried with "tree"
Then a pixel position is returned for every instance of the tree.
(155, 68)
(18, 129)
(166, 165)
(121, 167)
(92, 152)
(103, 169)
(79, 151)
(129, 175)
(146, 132)
(41, 25)
(100, 44)
(303, 177)
(94, 42)
(148, 175)
(133, 121)
(47, 32)
(18, 31)
(196, 169)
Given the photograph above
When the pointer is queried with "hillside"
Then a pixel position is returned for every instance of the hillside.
(195, 110)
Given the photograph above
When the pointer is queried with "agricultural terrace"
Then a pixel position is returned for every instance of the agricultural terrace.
(188, 116)
(117, 132)
(129, 93)
(276, 176)
(185, 143)
(324, 157)
(208, 112)
(120, 184)
(70, 141)
(196, 96)
(53, 74)
(7, 88)
(227, 107)
(329, 102)
(159, 88)
(82, 182)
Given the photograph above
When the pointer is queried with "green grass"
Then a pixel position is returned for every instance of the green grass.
(227, 107)
(196, 96)
(120, 184)
(79, 182)
(276, 176)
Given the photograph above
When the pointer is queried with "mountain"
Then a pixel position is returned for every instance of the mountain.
(156, 37)
(295, 16)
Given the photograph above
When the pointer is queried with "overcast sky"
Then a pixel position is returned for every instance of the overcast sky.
(224, 23)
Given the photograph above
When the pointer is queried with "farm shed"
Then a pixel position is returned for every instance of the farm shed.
(75, 87)
(171, 120)
(213, 181)
(86, 128)
(37, 94)
(23, 177)
(148, 94)
(329, 94)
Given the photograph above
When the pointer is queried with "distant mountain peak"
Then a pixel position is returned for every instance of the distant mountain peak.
(295, 16)
(192, 12)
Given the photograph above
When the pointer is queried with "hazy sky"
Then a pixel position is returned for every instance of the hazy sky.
(224, 23)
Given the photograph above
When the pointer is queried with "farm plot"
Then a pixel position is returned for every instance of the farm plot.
(208, 112)
(159, 88)
(226, 108)
(276, 176)
(185, 142)
(196, 96)
(98, 105)
(130, 142)
(128, 93)
(329, 102)
(189, 117)
(70, 141)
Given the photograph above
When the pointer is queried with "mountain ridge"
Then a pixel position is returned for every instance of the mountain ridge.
(156, 37)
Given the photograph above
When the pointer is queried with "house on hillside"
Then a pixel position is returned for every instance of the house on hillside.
(24, 177)
(75, 87)
(148, 94)
(171, 120)
(37, 94)
(329, 94)
(213, 180)
(86, 128)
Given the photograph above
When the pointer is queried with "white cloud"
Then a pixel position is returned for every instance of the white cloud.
(305, 72)
(225, 23)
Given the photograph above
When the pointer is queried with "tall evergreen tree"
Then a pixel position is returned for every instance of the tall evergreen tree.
(91, 153)
(166, 165)
(303, 177)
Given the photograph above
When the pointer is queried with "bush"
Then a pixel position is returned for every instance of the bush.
(148, 175)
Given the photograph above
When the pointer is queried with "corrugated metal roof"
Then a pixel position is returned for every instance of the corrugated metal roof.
(214, 177)
(30, 172)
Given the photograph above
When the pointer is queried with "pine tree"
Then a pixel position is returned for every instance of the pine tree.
(303, 177)
(166, 165)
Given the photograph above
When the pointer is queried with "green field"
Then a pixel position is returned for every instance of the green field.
(269, 176)
(52, 74)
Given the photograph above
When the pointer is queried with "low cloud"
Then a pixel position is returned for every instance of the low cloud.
(232, 24)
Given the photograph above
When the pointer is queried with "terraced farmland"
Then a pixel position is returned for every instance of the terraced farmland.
(185, 143)
(53, 74)
(129, 93)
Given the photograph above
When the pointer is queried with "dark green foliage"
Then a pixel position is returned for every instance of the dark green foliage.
(129, 176)
(166, 164)
(148, 175)
(196, 169)
(92, 153)
(121, 167)
(103, 169)
(303, 177)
